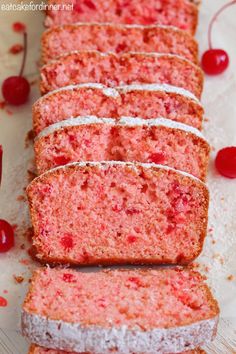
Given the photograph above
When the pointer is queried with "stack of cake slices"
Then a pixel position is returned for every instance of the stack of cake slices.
(122, 165)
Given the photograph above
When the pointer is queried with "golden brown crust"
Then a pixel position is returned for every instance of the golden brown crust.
(186, 37)
(34, 350)
(45, 86)
(44, 258)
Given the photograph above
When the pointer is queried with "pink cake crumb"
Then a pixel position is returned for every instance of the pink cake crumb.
(148, 101)
(118, 39)
(113, 70)
(161, 211)
(92, 139)
(179, 13)
(171, 308)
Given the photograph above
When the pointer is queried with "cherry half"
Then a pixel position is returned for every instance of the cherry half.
(225, 162)
(6, 230)
(16, 89)
(215, 61)
(6, 236)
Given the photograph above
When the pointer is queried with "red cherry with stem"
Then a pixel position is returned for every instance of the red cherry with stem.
(215, 61)
(16, 89)
(225, 162)
(6, 230)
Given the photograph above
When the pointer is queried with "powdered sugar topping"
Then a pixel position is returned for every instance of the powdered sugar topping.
(129, 121)
(115, 92)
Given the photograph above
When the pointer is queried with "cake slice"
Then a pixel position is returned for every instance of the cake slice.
(179, 13)
(34, 349)
(119, 311)
(110, 37)
(128, 139)
(147, 101)
(117, 213)
(113, 70)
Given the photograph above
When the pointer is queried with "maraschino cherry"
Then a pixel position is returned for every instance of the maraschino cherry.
(215, 61)
(225, 162)
(6, 230)
(16, 89)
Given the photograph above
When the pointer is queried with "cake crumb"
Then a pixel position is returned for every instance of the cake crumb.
(21, 198)
(10, 113)
(33, 82)
(230, 277)
(29, 138)
(18, 279)
(28, 233)
(31, 175)
(24, 261)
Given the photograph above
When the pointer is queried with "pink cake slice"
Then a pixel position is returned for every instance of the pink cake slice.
(110, 37)
(117, 213)
(179, 13)
(148, 101)
(128, 139)
(119, 311)
(34, 349)
(113, 70)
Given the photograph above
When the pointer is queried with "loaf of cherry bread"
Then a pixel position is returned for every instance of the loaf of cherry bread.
(110, 37)
(179, 13)
(121, 69)
(129, 139)
(117, 213)
(147, 101)
(35, 349)
(119, 311)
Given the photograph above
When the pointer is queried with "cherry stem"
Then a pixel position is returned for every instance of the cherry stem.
(214, 19)
(24, 56)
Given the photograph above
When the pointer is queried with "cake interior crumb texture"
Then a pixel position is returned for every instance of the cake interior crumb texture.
(158, 141)
(118, 39)
(179, 13)
(138, 300)
(147, 101)
(114, 212)
(114, 70)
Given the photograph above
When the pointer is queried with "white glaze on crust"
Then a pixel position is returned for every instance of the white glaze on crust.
(115, 92)
(128, 121)
(120, 25)
(57, 334)
(132, 165)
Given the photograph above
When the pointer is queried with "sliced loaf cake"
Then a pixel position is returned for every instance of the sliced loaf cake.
(113, 70)
(119, 311)
(147, 101)
(117, 213)
(129, 139)
(180, 13)
(109, 37)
